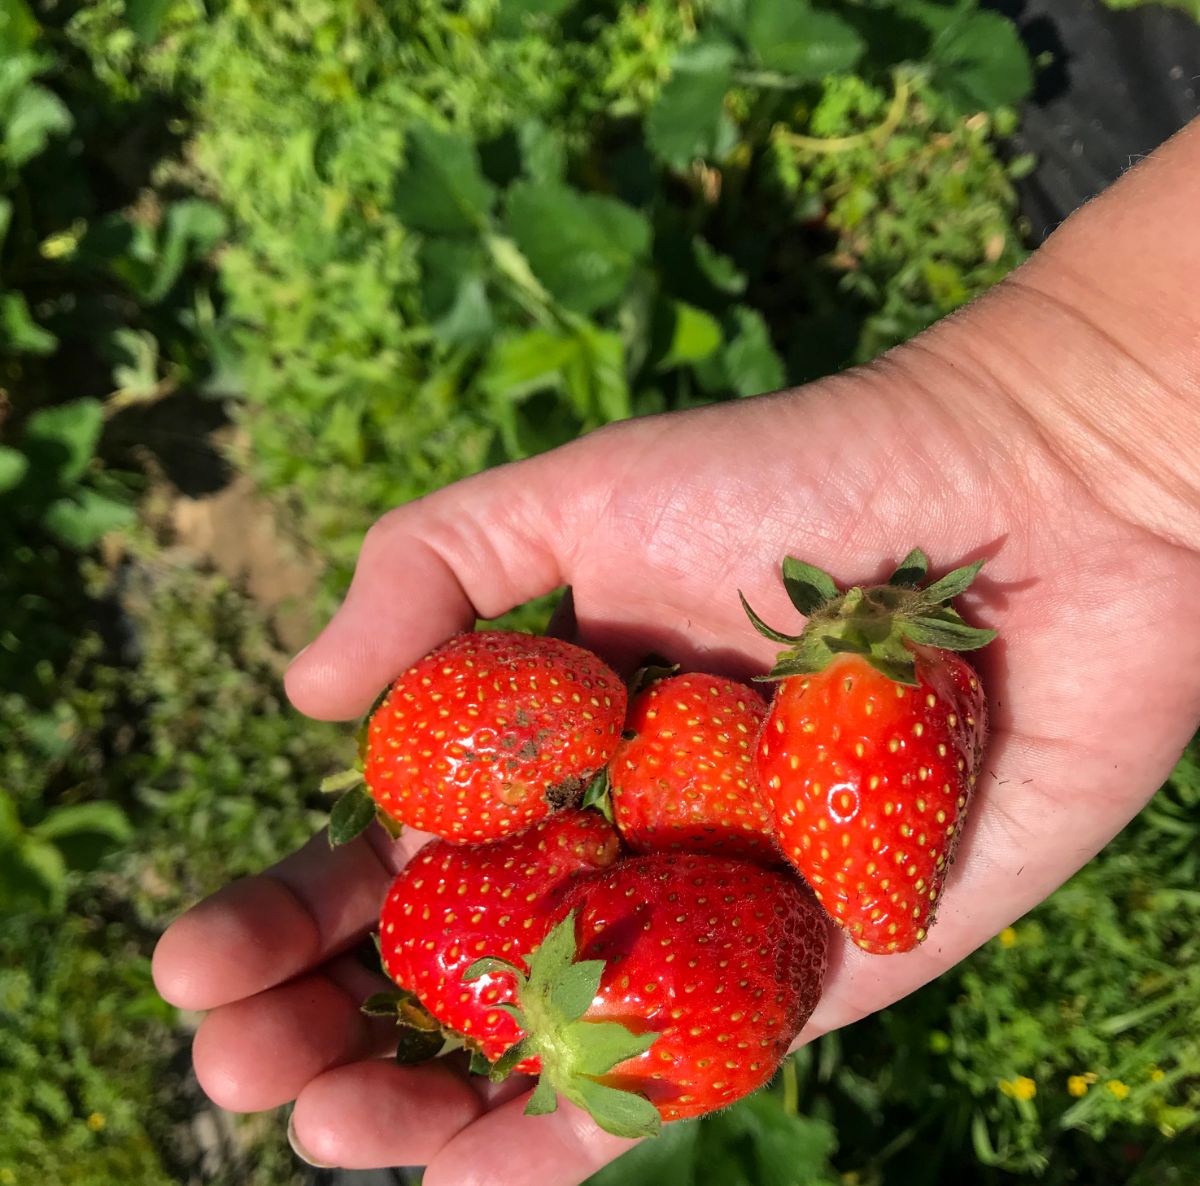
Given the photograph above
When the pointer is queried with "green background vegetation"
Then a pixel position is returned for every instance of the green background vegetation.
(315, 258)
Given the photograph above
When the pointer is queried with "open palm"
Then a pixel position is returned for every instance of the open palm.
(655, 525)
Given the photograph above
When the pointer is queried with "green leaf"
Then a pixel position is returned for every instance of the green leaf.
(19, 333)
(808, 587)
(71, 433)
(492, 965)
(192, 228)
(32, 118)
(622, 1113)
(694, 335)
(899, 671)
(417, 1045)
(598, 795)
(515, 16)
(544, 1099)
(469, 319)
(951, 585)
(799, 41)
(686, 120)
(145, 18)
(380, 1004)
(980, 62)
(343, 780)
(478, 1065)
(763, 629)
(13, 467)
(844, 646)
(351, 815)
(602, 1045)
(543, 152)
(912, 570)
(719, 270)
(572, 991)
(82, 521)
(946, 630)
(750, 362)
(553, 956)
(441, 189)
(582, 247)
(97, 817)
(18, 28)
(504, 1065)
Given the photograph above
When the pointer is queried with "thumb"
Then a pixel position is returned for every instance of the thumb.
(428, 569)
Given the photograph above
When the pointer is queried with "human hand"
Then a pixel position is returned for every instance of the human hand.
(989, 436)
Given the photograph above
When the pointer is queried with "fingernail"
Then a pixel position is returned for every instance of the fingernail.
(299, 1149)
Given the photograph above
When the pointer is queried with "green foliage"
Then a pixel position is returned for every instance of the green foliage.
(566, 214)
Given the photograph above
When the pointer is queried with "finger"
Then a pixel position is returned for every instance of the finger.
(504, 1147)
(372, 1114)
(260, 1052)
(263, 930)
(426, 571)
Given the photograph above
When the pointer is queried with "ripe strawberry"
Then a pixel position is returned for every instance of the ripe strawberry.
(694, 975)
(683, 775)
(873, 745)
(491, 732)
(454, 903)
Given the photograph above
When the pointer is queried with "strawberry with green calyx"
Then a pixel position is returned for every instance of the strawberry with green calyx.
(454, 903)
(683, 773)
(673, 987)
(873, 744)
(490, 733)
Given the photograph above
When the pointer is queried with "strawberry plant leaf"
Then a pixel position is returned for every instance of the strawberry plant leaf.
(750, 364)
(572, 992)
(341, 781)
(19, 333)
(622, 1113)
(416, 1045)
(552, 957)
(692, 335)
(912, 570)
(979, 60)
(80, 522)
(13, 467)
(763, 629)
(544, 1099)
(441, 189)
(64, 438)
(899, 671)
(503, 1066)
(808, 587)
(686, 121)
(951, 585)
(799, 41)
(598, 796)
(491, 965)
(351, 815)
(948, 631)
(601, 1045)
(582, 247)
(478, 1065)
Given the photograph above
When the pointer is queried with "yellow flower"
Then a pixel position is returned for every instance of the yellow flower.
(1007, 937)
(1157, 1074)
(1119, 1090)
(1020, 1088)
(1077, 1085)
(96, 1121)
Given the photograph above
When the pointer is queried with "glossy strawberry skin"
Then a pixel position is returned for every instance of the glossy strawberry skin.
(454, 903)
(870, 781)
(490, 733)
(683, 776)
(724, 959)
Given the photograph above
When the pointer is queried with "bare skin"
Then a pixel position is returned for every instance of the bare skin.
(1052, 427)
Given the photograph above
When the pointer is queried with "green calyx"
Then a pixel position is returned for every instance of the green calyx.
(419, 1035)
(575, 1053)
(880, 622)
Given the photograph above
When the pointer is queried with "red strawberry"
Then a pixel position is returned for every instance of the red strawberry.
(490, 733)
(454, 903)
(683, 775)
(873, 745)
(695, 974)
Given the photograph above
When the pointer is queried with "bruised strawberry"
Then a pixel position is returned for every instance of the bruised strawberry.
(872, 747)
(454, 903)
(683, 774)
(491, 732)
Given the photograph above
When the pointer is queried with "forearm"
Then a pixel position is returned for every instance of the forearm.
(1097, 341)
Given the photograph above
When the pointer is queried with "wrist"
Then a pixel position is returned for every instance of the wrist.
(1095, 344)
